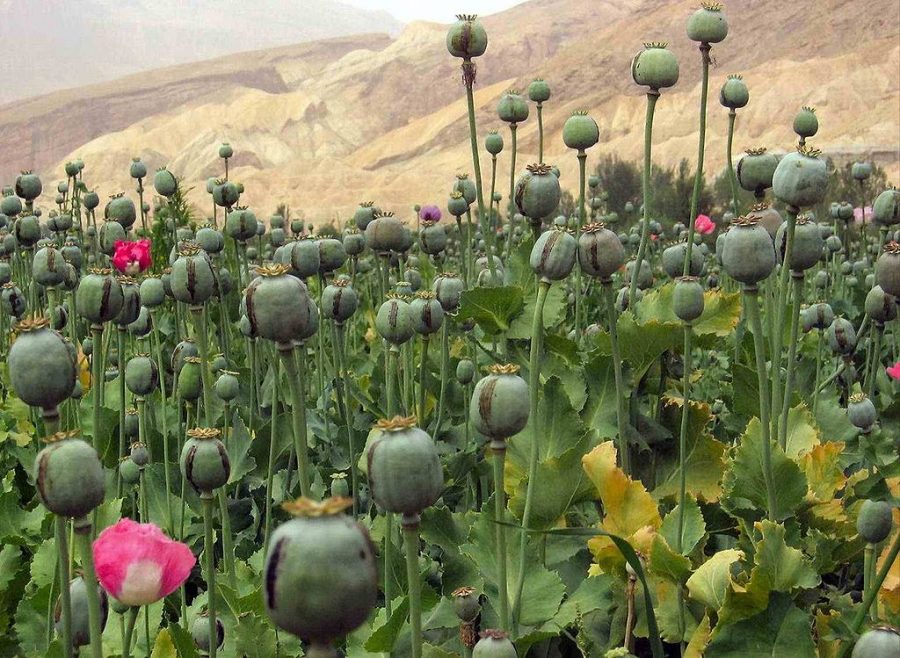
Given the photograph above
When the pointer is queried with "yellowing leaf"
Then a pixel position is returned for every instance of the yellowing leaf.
(827, 648)
(802, 435)
(699, 640)
(710, 581)
(824, 474)
(889, 594)
(779, 567)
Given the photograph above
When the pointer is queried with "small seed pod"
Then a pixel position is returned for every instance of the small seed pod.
(190, 384)
(152, 292)
(210, 239)
(331, 254)
(339, 486)
(11, 206)
(78, 602)
(321, 575)
(110, 234)
(339, 301)
(276, 305)
(493, 143)
(841, 336)
(302, 256)
(861, 412)
(845, 211)
(241, 224)
(756, 169)
(887, 269)
(512, 107)
(645, 273)
(226, 194)
(164, 183)
(354, 242)
(99, 297)
(880, 306)
(225, 150)
(28, 186)
(465, 372)
(707, 24)
(120, 209)
(68, 476)
(494, 644)
(673, 260)
(91, 200)
(432, 238)
(808, 245)
(394, 321)
(734, 93)
(385, 233)
(818, 316)
(655, 66)
(200, 629)
(467, 37)
(141, 375)
(500, 407)
(427, 313)
(553, 255)
(687, 299)
(204, 460)
(878, 642)
(457, 204)
(28, 231)
(139, 454)
(801, 179)
(448, 289)
(875, 521)
(48, 267)
(886, 208)
(537, 191)
(466, 604)
(580, 131)
(466, 187)
(183, 350)
(600, 252)
(42, 368)
(364, 214)
(806, 124)
(138, 169)
(861, 171)
(748, 254)
(131, 301)
(193, 275)
(539, 90)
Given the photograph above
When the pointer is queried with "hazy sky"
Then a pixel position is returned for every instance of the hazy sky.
(441, 11)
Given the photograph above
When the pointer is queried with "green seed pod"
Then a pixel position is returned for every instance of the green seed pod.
(886, 208)
(845, 211)
(645, 273)
(28, 231)
(887, 269)
(204, 460)
(553, 255)
(225, 194)
(276, 221)
(539, 91)
(655, 66)
(303, 257)
(210, 239)
(457, 204)
(707, 24)
(48, 267)
(354, 242)
(141, 375)
(394, 321)
(466, 604)
(152, 292)
(91, 200)
(42, 369)
(339, 486)
(493, 143)
(321, 575)
(139, 454)
(512, 107)
(808, 245)
(880, 306)
(687, 299)
(190, 385)
(120, 209)
(331, 254)
(880, 641)
(200, 627)
(11, 206)
(138, 169)
(339, 301)
(241, 224)
(767, 217)
(861, 171)
(580, 131)
(276, 237)
(600, 252)
(748, 254)
(734, 93)
(385, 233)
(874, 522)
(673, 260)
(364, 214)
(110, 233)
(820, 316)
(432, 238)
(466, 187)
(131, 301)
(164, 183)
(68, 476)
(427, 313)
(801, 179)
(28, 186)
(499, 407)
(193, 275)
(841, 336)
(225, 150)
(81, 630)
(448, 288)
(276, 305)
(467, 37)
(806, 124)
(861, 412)
(465, 372)
(494, 644)
(537, 191)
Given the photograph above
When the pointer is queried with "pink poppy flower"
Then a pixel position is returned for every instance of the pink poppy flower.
(704, 225)
(138, 565)
(858, 214)
(132, 258)
(430, 213)
(894, 371)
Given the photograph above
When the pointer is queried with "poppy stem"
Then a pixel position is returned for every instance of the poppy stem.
(129, 631)
(83, 538)
(652, 97)
(207, 500)
(62, 544)
(499, 449)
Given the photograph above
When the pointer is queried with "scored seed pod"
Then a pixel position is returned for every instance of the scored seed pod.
(448, 288)
(69, 476)
(818, 316)
(734, 93)
(801, 178)
(886, 208)
(500, 407)
(394, 321)
(331, 254)
(226, 194)
(193, 275)
(110, 234)
(687, 299)
(494, 644)
(404, 468)
(645, 273)
(880, 641)
(512, 107)
(806, 124)
(131, 301)
(241, 224)
(28, 231)
(210, 239)
(320, 573)
(48, 266)
(553, 255)
(861, 411)
(276, 305)
(302, 256)
(655, 66)
(887, 269)
(42, 367)
(200, 630)
(707, 24)
(808, 245)
(600, 252)
(756, 169)
(120, 209)
(841, 336)
(427, 313)
(141, 375)
(580, 131)
(880, 306)
(204, 460)
(467, 37)
(537, 191)
(748, 254)
(14, 302)
(339, 301)
(78, 598)
(875, 522)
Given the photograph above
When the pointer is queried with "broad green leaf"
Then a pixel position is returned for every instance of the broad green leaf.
(44, 562)
(744, 390)
(17, 525)
(555, 306)
(256, 637)
(721, 310)
(239, 443)
(668, 612)
(594, 593)
(779, 567)
(10, 562)
(599, 413)
(641, 345)
(385, 636)
(782, 629)
(709, 583)
(183, 642)
(665, 562)
(692, 533)
(802, 435)
(493, 309)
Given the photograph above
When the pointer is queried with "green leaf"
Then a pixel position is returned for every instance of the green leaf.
(709, 583)
(693, 531)
(239, 443)
(384, 637)
(721, 310)
(43, 563)
(782, 629)
(666, 562)
(594, 593)
(555, 306)
(164, 647)
(183, 642)
(256, 637)
(493, 309)
(802, 435)
(10, 562)
(745, 390)
(778, 567)
(599, 413)
(17, 525)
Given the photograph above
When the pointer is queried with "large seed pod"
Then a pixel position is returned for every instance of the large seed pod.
(120, 209)
(141, 375)
(302, 256)
(494, 644)
(580, 131)
(193, 275)
(131, 301)
(331, 254)
(886, 209)
(11, 206)
(537, 191)
(227, 385)
(42, 368)
(553, 255)
(72, 254)
(276, 237)
(210, 239)
(767, 217)
(91, 200)
(385, 233)
(655, 66)
(687, 298)
(448, 289)
(28, 186)
(394, 321)
(861, 171)
(874, 522)
(152, 292)
(276, 305)
(432, 238)
(68, 476)
(645, 273)
(801, 179)
(48, 267)
(465, 186)
(512, 107)
(500, 406)
(887, 269)
(539, 90)
(673, 260)
(427, 313)
(600, 252)
(748, 254)
(165, 183)
(339, 301)
(404, 468)
(241, 224)
(226, 194)
(707, 24)
(841, 336)
(28, 230)
(734, 93)
(818, 316)
(756, 169)
(204, 460)
(364, 214)
(806, 124)
(808, 245)
(878, 642)
(457, 204)
(190, 383)
(110, 234)
(320, 574)
(467, 37)
(142, 324)
(880, 306)
(81, 630)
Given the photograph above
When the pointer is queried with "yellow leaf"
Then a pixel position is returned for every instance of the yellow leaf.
(827, 648)
(824, 474)
(709, 583)
(889, 594)
(699, 640)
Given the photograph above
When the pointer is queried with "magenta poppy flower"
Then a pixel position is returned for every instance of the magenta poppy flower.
(430, 213)
(132, 258)
(894, 371)
(138, 565)
(704, 225)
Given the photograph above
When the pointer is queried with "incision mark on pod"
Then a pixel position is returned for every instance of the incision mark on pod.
(272, 572)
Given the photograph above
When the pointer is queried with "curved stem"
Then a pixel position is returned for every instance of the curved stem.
(652, 97)
(792, 357)
(294, 361)
(62, 547)
(83, 537)
(624, 456)
(698, 178)
(207, 500)
(411, 540)
(499, 449)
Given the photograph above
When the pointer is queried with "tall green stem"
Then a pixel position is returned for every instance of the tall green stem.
(345, 380)
(120, 348)
(207, 500)
(97, 381)
(154, 337)
(422, 370)
(445, 360)
(698, 178)
(792, 357)
(411, 539)
(270, 471)
(83, 538)
(732, 115)
(62, 548)
(582, 161)
(498, 447)
(197, 315)
(621, 422)
(294, 361)
(540, 122)
(780, 310)
(652, 97)
(512, 171)
(875, 364)
(129, 631)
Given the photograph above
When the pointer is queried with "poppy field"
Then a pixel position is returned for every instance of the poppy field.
(522, 420)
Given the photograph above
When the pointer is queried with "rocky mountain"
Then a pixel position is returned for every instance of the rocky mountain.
(324, 125)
